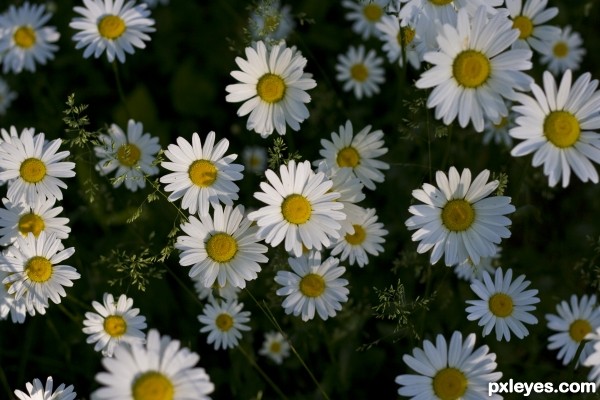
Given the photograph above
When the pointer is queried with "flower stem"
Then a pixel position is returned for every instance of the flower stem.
(120, 87)
(262, 373)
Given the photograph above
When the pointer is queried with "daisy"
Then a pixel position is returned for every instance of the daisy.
(39, 391)
(223, 249)
(367, 238)
(225, 292)
(21, 219)
(458, 219)
(593, 360)
(357, 153)
(558, 125)
(202, 175)
(450, 371)
(313, 285)
(528, 19)
(360, 73)
(444, 11)
(399, 42)
(131, 155)
(300, 208)
(365, 14)
(160, 369)
(114, 322)
(498, 129)
(8, 303)
(504, 304)
(224, 321)
(6, 97)
(273, 87)
(562, 50)
(113, 27)
(474, 71)
(575, 320)
(24, 40)
(470, 272)
(34, 167)
(271, 22)
(255, 159)
(35, 272)
(275, 347)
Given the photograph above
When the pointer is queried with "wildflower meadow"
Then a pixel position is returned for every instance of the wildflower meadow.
(274, 199)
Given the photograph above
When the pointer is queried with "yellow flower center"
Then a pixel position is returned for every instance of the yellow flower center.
(579, 329)
(275, 347)
(524, 25)
(152, 385)
(372, 12)
(440, 2)
(224, 322)
(31, 223)
(221, 247)
(406, 34)
(358, 237)
(111, 27)
(115, 325)
(128, 155)
(471, 68)
(348, 157)
(32, 170)
(271, 88)
(449, 384)
(359, 72)
(561, 128)
(39, 269)
(560, 50)
(24, 37)
(296, 209)
(501, 305)
(312, 285)
(202, 173)
(271, 23)
(458, 215)
(503, 122)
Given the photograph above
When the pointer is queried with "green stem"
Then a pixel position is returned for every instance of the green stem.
(183, 285)
(262, 373)
(120, 87)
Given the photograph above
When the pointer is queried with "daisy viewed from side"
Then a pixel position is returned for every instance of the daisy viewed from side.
(24, 39)
(225, 292)
(503, 305)
(497, 131)
(399, 40)
(360, 73)
(529, 20)
(202, 174)
(474, 70)
(312, 286)
(364, 14)
(300, 209)
(113, 322)
(40, 391)
(562, 50)
(8, 303)
(114, 27)
(158, 369)
(255, 159)
(469, 272)
(559, 125)
(575, 320)
(7, 96)
(273, 87)
(131, 155)
(224, 320)
(450, 371)
(222, 249)
(271, 22)
(275, 347)
(593, 360)
(459, 219)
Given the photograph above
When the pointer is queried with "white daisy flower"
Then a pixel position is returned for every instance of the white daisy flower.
(202, 175)
(497, 131)
(224, 320)
(474, 71)
(114, 322)
(444, 11)
(529, 20)
(24, 40)
(364, 14)
(39, 391)
(504, 304)
(21, 219)
(355, 152)
(367, 238)
(275, 347)
(271, 22)
(458, 219)
(562, 50)
(399, 41)
(226, 292)
(313, 285)
(114, 27)
(593, 360)
(273, 87)
(575, 320)
(8, 303)
(223, 249)
(33, 167)
(362, 74)
(255, 159)
(558, 125)
(160, 369)
(35, 272)
(131, 155)
(470, 272)
(300, 208)
(6, 97)
(454, 371)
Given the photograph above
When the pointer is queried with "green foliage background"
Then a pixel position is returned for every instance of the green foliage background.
(176, 86)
